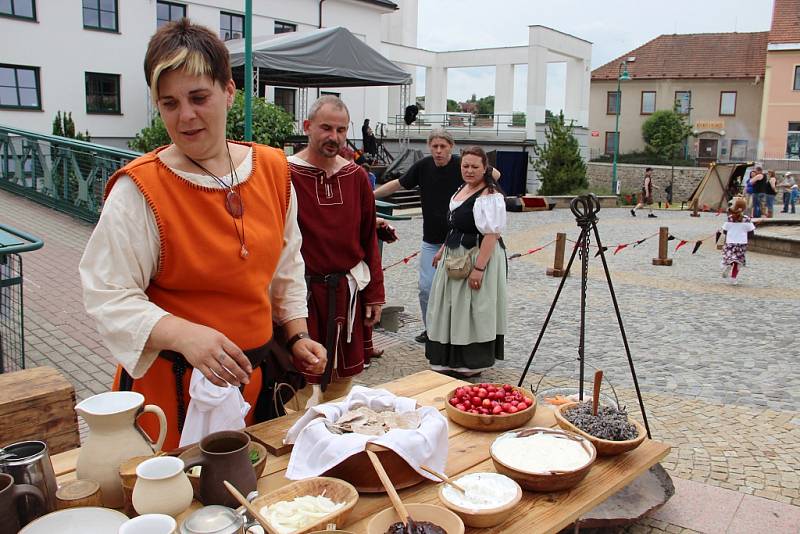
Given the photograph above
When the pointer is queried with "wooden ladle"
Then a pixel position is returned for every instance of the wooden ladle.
(402, 512)
(250, 508)
(444, 478)
(598, 381)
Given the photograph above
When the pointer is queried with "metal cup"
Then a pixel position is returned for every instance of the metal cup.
(28, 462)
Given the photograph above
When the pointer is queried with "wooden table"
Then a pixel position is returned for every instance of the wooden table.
(469, 452)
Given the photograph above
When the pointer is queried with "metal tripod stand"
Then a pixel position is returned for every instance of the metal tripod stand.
(585, 209)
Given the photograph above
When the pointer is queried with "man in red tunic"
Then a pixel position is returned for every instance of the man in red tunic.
(336, 214)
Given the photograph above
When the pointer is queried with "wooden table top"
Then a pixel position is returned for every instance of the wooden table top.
(469, 452)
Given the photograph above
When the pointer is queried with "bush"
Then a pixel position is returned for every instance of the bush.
(558, 162)
(271, 126)
(645, 157)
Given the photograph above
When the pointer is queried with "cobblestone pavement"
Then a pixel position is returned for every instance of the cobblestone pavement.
(718, 364)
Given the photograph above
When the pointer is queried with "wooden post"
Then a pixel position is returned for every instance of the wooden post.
(695, 209)
(557, 269)
(663, 240)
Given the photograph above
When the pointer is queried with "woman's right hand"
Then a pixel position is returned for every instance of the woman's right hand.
(206, 349)
(437, 257)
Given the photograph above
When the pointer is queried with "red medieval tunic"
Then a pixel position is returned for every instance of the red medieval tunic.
(336, 215)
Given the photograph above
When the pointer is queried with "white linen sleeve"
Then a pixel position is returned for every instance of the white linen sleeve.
(118, 263)
(287, 293)
(490, 213)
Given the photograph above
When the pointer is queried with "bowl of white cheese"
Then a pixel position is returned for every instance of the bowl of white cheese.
(543, 459)
(488, 499)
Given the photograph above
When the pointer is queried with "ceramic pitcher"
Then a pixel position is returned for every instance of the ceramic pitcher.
(224, 456)
(114, 437)
(10, 493)
(162, 487)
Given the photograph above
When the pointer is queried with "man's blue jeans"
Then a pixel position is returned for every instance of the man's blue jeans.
(426, 272)
(759, 200)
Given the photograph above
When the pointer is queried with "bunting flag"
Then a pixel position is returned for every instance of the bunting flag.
(515, 256)
(640, 241)
(696, 246)
(530, 251)
(600, 250)
(671, 237)
(619, 248)
(404, 260)
(680, 244)
(716, 239)
(705, 207)
(719, 211)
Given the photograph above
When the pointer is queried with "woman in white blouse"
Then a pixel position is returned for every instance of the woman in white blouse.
(467, 310)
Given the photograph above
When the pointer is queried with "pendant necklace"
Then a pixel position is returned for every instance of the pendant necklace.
(233, 200)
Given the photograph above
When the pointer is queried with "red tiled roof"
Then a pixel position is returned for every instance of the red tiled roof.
(694, 55)
(785, 22)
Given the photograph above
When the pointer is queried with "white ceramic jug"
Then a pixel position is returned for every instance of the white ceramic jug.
(114, 437)
(162, 487)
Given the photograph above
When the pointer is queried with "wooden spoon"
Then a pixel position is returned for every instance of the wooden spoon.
(402, 512)
(444, 478)
(598, 381)
(249, 507)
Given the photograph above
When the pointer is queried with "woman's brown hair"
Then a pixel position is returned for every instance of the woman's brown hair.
(183, 45)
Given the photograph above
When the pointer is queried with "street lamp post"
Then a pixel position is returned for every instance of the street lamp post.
(622, 75)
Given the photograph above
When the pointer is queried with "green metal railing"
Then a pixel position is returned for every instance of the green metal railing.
(63, 173)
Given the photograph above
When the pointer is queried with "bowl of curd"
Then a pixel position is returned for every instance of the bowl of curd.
(488, 500)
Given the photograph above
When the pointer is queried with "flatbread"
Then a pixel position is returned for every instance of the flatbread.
(363, 420)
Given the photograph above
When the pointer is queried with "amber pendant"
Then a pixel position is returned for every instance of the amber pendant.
(243, 252)
(234, 205)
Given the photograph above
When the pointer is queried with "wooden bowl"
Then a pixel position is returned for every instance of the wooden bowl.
(358, 471)
(258, 467)
(437, 515)
(554, 480)
(336, 490)
(604, 447)
(490, 423)
(483, 518)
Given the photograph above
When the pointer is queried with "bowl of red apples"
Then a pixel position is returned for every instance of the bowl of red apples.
(490, 407)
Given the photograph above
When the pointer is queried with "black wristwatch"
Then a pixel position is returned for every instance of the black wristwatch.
(295, 338)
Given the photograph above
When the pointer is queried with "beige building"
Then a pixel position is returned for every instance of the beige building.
(714, 79)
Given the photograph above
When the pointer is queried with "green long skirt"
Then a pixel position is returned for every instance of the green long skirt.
(466, 327)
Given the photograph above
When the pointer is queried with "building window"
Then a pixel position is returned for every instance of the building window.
(738, 150)
(727, 103)
(231, 26)
(19, 87)
(793, 141)
(796, 85)
(284, 99)
(102, 93)
(284, 27)
(168, 12)
(613, 103)
(683, 102)
(20, 9)
(648, 102)
(100, 15)
(610, 145)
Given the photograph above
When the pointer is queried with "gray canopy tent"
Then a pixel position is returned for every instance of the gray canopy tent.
(328, 57)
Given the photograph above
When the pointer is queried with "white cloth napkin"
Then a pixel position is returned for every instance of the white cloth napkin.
(317, 450)
(212, 408)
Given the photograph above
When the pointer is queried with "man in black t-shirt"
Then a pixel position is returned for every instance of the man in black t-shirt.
(437, 176)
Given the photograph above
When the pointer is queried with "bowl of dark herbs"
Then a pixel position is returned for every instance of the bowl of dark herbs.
(611, 431)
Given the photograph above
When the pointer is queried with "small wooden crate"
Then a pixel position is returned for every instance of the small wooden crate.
(38, 404)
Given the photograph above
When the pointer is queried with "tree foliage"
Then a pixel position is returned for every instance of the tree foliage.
(64, 126)
(271, 126)
(452, 105)
(559, 163)
(665, 132)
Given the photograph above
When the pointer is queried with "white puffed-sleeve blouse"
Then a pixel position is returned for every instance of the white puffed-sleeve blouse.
(489, 212)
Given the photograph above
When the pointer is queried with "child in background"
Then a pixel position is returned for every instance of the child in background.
(736, 230)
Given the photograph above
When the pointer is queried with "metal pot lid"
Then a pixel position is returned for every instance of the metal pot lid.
(214, 519)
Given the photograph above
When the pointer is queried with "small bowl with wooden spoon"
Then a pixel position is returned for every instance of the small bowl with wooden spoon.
(481, 500)
(401, 516)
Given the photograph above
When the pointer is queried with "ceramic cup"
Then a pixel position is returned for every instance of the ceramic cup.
(150, 524)
(162, 487)
(10, 497)
(224, 456)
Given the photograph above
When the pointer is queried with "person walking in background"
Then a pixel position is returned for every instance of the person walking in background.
(736, 230)
(772, 191)
(467, 310)
(368, 141)
(749, 193)
(437, 176)
(759, 182)
(646, 194)
(785, 188)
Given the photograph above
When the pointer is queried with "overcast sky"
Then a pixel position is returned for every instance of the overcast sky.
(613, 26)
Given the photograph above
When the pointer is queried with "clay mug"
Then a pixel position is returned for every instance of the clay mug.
(10, 493)
(162, 487)
(150, 524)
(223, 456)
